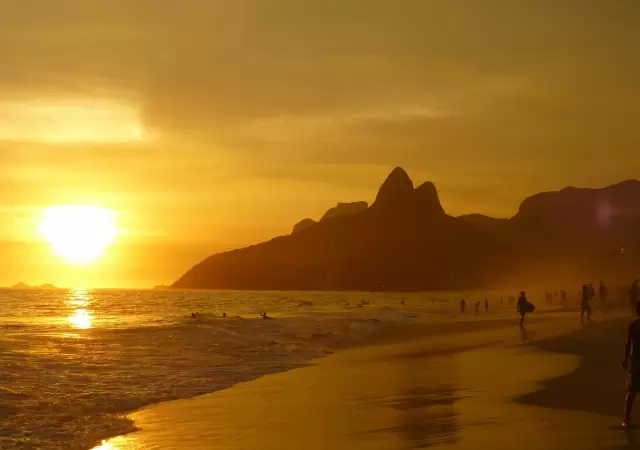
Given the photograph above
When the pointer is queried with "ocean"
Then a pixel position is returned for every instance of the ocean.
(74, 361)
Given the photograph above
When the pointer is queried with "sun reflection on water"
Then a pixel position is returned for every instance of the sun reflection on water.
(78, 297)
(80, 317)
(104, 446)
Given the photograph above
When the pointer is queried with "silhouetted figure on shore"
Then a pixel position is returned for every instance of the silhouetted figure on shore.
(584, 303)
(603, 293)
(477, 307)
(631, 363)
(402, 302)
(634, 295)
(486, 305)
(522, 307)
(224, 315)
(463, 306)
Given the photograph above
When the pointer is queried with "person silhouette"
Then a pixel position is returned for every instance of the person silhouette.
(584, 304)
(477, 307)
(634, 295)
(522, 307)
(486, 305)
(463, 306)
(631, 363)
(603, 293)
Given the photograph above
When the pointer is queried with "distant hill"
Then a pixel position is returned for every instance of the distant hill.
(405, 241)
(45, 287)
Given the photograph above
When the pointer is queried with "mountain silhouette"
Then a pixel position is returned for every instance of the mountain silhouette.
(591, 232)
(303, 225)
(404, 241)
(344, 209)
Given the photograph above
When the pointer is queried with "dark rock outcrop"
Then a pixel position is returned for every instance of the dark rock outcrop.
(427, 200)
(303, 225)
(344, 209)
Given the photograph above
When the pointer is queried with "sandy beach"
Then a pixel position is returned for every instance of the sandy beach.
(555, 386)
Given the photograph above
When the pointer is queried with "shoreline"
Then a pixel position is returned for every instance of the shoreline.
(411, 346)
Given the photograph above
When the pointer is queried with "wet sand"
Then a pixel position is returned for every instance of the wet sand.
(494, 388)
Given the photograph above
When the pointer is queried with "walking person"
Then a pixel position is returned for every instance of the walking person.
(603, 293)
(522, 307)
(634, 295)
(584, 304)
(631, 364)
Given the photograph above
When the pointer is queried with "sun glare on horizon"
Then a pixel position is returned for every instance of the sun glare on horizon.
(80, 234)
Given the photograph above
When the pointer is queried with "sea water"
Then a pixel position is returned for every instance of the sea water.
(73, 361)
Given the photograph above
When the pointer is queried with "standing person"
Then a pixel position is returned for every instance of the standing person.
(463, 306)
(603, 293)
(486, 305)
(631, 363)
(522, 307)
(584, 304)
(634, 295)
(477, 307)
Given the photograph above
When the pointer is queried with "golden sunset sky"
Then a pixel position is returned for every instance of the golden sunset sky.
(211, 124)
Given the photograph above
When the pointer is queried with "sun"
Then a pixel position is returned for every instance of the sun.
(80, 234)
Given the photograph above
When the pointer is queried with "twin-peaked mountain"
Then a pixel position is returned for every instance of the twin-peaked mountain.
(405, 241)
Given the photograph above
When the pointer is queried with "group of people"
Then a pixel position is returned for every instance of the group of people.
(463, 306)
(552, 297)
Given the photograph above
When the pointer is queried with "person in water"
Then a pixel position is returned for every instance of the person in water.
(584, 304)
(631, 363)
(522, 307)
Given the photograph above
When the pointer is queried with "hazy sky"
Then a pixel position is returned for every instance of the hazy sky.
(211, 124)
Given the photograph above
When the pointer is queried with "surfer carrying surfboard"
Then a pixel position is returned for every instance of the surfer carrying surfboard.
(523, 307)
